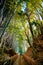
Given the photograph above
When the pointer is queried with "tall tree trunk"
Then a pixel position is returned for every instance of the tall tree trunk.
(34, 50)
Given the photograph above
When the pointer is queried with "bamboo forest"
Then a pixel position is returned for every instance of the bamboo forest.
(21, 32)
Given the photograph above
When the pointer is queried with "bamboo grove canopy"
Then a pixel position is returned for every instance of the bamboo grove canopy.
(22, 20)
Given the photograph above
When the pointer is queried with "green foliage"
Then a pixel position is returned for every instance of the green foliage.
(22, 15)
